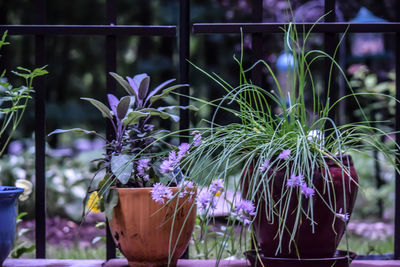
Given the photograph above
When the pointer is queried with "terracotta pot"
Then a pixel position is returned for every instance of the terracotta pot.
(141, 228)
(323, 242)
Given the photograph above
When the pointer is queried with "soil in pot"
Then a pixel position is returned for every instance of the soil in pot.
(148, 232)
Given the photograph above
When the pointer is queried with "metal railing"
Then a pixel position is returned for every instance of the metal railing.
(330, 28)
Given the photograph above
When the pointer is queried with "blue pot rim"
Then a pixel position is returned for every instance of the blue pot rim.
(10, 191)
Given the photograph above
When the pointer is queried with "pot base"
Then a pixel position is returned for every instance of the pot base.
(151, 264)
(340, 259)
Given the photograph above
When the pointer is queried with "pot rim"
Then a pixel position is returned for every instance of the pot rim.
(339, 255)
(142, 188)
(6, 191)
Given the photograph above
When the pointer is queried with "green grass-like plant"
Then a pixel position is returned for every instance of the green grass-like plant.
(299, 140)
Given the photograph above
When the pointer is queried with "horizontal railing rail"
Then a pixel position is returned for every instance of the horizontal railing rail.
(117, 30)
(322, 27)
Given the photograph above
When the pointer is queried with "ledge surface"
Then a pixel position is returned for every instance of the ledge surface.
(181, 263)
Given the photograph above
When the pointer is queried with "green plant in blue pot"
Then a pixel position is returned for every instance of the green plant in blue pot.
(13, 102)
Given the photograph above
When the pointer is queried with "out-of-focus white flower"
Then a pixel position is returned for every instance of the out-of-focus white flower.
(27, 186)
(316, 136)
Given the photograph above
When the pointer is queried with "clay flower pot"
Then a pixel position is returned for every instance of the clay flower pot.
(141, 227)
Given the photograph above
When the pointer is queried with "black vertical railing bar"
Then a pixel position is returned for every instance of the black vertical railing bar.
(111, 66)
(397, 128)
(330, 42)
(257, 42)
(40, 126)
(184, 56)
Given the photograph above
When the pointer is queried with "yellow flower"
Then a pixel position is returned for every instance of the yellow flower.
(94, 202)
(256, 130)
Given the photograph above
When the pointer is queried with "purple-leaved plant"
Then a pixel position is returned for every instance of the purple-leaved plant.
(134, 135)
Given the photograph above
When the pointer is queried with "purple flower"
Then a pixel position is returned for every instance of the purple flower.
(294, 180)
(189, 185)
(307, 191)
(143, 166)
(183, 150)
(264, 165)
(284, 154)
(187, 188)
(196, 138)
(206, 200)
(343, 216)
(168, 165)
(216, 186)
(160, 192)
(244, 210)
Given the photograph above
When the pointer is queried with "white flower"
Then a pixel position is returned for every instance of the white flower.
(27, 186)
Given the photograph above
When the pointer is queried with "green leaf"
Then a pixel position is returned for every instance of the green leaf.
(39, 72)
(166, 92)
(111, 202)
(23, 75)
(97, 239)
(159, 113)
(21, 215)
(190, 107)
(3, 39)
(121, 167)
(23, 231)
(123, 83)
(158, 88)
(134, 117)
(20, 249)
(123, 106)
(101, 225)
(165, 180)
(105, 111)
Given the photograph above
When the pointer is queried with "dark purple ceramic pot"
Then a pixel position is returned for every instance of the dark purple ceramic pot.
(328, 227)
